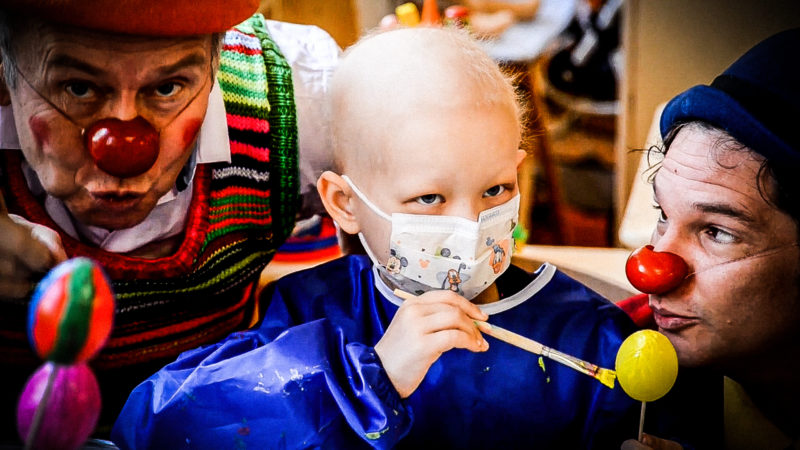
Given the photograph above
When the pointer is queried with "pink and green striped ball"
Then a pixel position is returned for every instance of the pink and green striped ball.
(71, 312)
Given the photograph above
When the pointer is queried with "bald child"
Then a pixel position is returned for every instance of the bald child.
(426, 134)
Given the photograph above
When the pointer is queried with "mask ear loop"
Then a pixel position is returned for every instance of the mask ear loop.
(364, 199)
(374, 208)
(761, 254)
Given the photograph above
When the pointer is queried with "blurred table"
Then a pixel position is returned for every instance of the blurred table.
(277, 269)
(518, 49)
(525, 41)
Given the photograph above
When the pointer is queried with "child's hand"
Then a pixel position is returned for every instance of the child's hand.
(424, 328)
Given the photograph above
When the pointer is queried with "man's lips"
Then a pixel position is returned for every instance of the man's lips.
(118, 201)
(670, 321)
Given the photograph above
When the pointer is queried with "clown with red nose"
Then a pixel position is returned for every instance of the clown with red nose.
(159, 140)
(722, 272)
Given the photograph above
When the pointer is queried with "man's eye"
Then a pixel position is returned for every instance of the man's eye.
(79, 90)
(494, 191)
(720, 236)
(429, 199)
(168, 89)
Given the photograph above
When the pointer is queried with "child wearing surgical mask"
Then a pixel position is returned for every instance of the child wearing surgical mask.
(426, 131)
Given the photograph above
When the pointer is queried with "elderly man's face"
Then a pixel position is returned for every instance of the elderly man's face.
(734, 309)
(91, 76)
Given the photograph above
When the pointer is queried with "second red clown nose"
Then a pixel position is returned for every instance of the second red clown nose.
(122, 148)
(655, 272)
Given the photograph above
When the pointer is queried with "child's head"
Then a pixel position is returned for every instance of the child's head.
(424, 122)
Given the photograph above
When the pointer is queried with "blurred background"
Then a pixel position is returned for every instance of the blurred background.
(595, 73)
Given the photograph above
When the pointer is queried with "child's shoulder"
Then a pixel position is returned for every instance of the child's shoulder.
(560, 295)
(334, 271)
(546, 283)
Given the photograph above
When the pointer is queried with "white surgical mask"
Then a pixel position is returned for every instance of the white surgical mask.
(428, 252)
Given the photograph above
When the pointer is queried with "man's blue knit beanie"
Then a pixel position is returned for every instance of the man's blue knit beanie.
(756, 100)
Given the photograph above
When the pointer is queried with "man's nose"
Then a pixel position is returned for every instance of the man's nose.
(122, 106)
(671, 241)
(676, 242)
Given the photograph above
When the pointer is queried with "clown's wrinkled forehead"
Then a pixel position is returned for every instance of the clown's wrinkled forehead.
(390, 77)
(22, 36)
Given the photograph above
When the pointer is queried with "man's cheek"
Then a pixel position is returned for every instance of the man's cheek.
(40, 131)
(190, 130)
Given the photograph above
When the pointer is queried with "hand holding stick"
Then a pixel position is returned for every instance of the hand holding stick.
(604, 376)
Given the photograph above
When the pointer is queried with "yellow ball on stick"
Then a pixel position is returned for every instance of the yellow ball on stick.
(646, 365)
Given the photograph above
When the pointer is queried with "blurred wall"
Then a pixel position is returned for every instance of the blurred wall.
(338, 17)
(344, 20)
(370, 12)
(671, 45)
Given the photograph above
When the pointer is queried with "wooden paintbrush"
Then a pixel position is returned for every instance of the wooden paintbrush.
(604, 376)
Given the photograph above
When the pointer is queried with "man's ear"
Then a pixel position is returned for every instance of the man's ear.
(521, 154)
(337, 197)
(5, 95)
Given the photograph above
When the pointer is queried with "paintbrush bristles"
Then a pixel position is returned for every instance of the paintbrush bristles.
(606, 376)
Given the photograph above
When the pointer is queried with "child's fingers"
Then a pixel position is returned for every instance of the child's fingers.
(451, 298)
(428, 318)
(449, 339)
(451, 319)
(421, 310)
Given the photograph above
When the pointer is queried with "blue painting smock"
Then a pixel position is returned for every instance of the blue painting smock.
(309, 375)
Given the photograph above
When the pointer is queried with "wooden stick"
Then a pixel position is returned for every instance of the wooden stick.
(641, 421)
(38, 413)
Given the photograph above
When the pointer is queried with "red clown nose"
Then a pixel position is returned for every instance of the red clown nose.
(655, 272)
(123, 149)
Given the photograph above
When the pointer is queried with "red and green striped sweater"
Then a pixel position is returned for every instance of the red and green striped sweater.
(239, 215)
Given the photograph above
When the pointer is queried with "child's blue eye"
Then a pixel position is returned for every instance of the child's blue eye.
(494, 191)
(429, 199)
